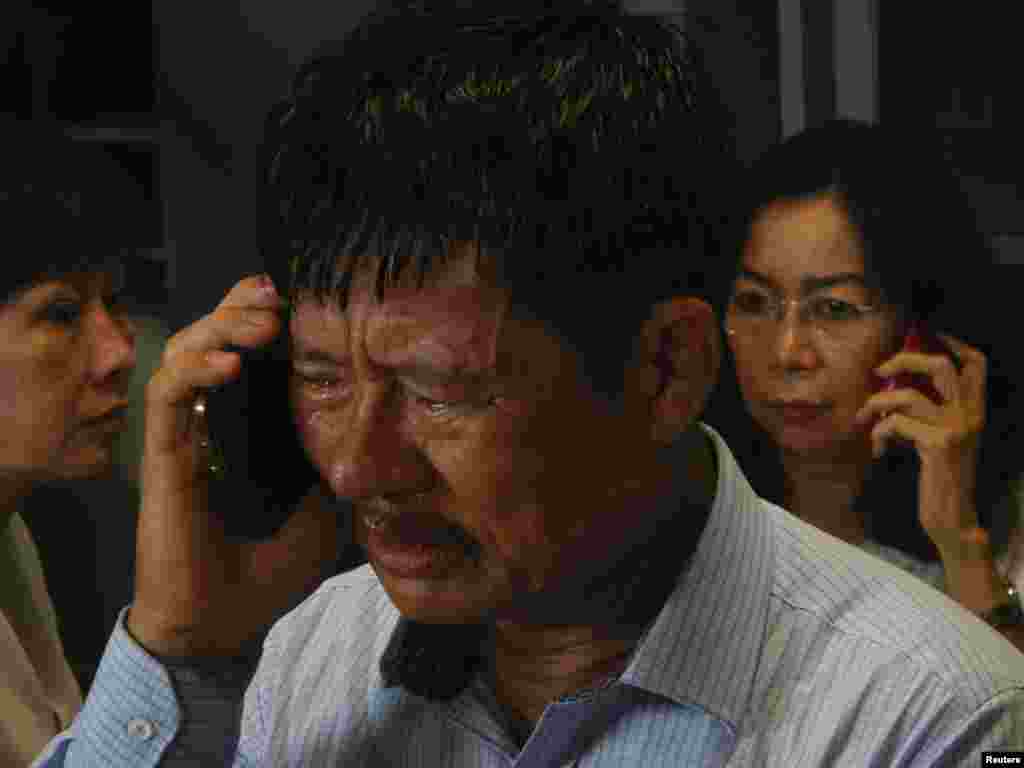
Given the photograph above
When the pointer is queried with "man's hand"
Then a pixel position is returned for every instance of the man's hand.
(193, 589)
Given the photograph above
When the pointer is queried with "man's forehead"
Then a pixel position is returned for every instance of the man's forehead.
(455, 325)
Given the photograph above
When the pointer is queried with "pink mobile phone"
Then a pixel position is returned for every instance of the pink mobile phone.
(918, 339)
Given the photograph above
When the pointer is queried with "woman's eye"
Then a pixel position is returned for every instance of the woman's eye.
(750, 302)
(835, 309)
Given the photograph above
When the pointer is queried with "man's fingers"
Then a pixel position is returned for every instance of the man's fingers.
(243, 327)
(172, 391)
(247, 317)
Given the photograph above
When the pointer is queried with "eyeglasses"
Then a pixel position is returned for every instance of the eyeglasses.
(754, 315)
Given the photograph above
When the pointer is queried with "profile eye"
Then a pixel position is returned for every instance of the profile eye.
(436, 407)
(63, 312)
(116, 301)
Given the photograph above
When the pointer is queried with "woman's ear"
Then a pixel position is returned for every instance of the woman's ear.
(679, 358)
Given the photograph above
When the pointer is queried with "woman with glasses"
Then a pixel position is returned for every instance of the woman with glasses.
(869, 393)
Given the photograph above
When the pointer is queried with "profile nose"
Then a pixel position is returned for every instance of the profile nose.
(114, 346)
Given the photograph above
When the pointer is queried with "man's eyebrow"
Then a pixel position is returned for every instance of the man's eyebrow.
(314, 355)
(416, 368)
(426, 371)
(808, 284)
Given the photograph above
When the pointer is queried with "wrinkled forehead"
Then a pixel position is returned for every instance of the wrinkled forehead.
(455, 309)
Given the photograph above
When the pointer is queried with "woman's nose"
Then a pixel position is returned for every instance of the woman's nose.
(795, 343)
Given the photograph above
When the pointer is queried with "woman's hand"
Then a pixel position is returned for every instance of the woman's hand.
(946, 436)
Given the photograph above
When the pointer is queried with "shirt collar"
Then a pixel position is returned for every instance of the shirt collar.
(704, 645)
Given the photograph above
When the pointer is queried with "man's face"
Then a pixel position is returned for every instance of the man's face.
(468, 436)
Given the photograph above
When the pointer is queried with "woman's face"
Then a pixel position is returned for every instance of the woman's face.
(66, 357)
(804, 377)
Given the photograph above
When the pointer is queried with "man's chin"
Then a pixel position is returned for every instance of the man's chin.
(433, 602)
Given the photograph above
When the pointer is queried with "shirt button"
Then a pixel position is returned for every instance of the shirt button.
(142, 730)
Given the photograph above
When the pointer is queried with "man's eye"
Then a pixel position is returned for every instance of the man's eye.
(62, 312)
(316, 382)
(438, 407)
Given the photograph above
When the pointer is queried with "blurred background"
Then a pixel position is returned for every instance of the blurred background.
(176, 94)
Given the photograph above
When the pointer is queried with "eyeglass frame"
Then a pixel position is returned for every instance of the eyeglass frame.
(781, 310)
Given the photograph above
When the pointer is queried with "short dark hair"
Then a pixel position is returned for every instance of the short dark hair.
(52, 215)
(582, 148)
(924, 251)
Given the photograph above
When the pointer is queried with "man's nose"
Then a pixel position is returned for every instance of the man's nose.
(374, 455)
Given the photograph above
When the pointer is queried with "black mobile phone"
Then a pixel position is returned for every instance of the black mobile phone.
(262, 470)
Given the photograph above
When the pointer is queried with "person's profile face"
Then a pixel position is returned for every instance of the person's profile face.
(803, 378)
(66, 357)
(474, 453)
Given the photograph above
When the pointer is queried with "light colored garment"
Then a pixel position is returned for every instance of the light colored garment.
(39, 695)
(780, 646)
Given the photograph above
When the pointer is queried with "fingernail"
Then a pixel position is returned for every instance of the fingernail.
(218, 357)
(267, 286)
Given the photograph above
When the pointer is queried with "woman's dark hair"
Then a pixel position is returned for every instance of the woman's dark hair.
(53, 211)
(924, 251)
(578, 145)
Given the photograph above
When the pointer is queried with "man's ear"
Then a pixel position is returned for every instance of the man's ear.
(679, 354)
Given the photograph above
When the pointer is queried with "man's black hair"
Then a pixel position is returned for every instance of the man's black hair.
(579, 146)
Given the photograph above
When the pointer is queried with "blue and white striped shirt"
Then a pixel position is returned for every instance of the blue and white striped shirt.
(780, 646)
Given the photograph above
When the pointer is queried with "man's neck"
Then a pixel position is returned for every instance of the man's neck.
(531, 665)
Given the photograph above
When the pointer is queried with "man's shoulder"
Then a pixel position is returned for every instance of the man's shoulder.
(848, 596)
(347, 612)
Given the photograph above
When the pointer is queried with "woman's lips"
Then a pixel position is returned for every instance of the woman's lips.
(801, 413)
